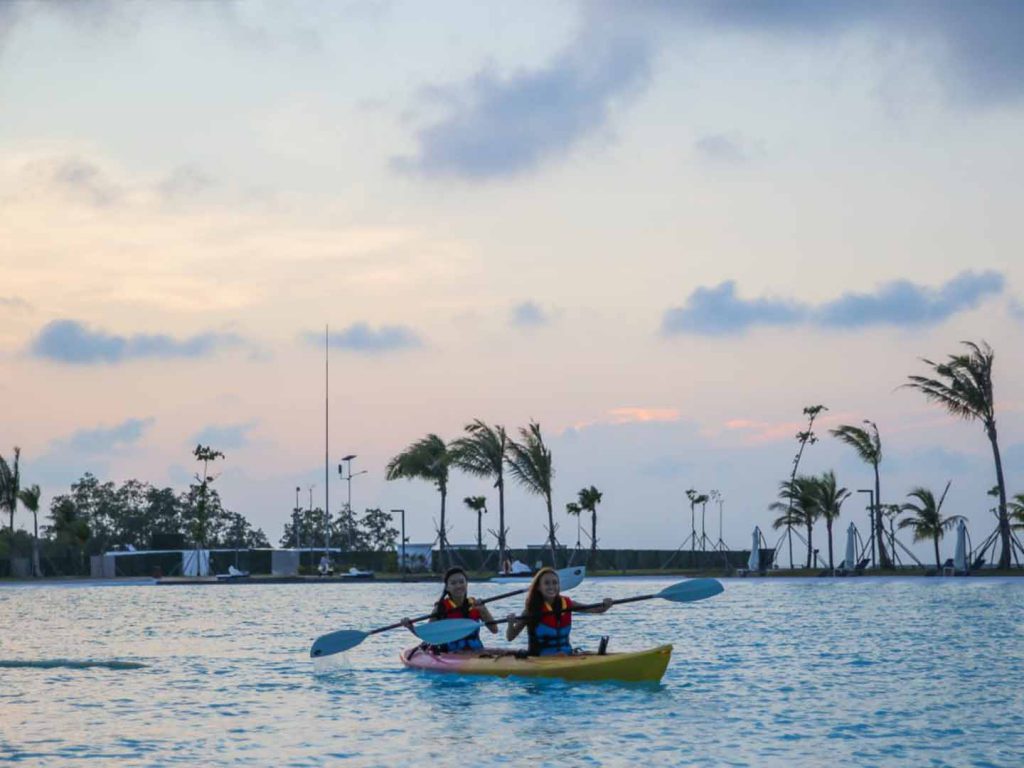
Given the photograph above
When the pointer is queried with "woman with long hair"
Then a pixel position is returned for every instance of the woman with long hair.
(455, 603)
(548, 616)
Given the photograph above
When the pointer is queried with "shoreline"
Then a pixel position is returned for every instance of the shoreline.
(484, 577)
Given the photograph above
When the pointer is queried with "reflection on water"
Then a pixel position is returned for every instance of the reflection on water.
(772, 672)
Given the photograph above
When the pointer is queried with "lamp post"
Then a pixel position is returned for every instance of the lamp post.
(348, 476)
(871, 495)
(310, 542)
(295, 519)
(401, 566)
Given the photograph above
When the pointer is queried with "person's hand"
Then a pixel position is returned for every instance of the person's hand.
(606, 604)
(407, 623)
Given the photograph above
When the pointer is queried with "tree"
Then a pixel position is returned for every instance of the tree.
(479, 505)
(69, 526)
(347, 532)
(482, 452)
(200, 531)
(868, 446)
(928, 522)
(531, 465)
(426, 459)
(1016, 506)
(799, 505)
(381, 536)
(830, 502)
(804, 438)
(964, 388)
(30, 500)
(10, 485)
(588, 499)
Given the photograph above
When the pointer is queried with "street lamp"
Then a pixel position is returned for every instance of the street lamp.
(871, 495)
(348, 477)
(295, 519)
(310, 542)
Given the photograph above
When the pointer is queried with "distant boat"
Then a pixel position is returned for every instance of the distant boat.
(354, 574)
(525, 578)
(233, 574)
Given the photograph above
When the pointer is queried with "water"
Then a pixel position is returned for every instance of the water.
(865, 672)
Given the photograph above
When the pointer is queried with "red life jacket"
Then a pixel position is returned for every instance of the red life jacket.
(468, 610)
(550, 634)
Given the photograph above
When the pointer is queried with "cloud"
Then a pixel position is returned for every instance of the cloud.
(902, 302)
(108, 439)
(528, 315)
(501, 126)
(184, 182)
(630, 415)
(221, 436)
(360, 337)
(719, 311)
(1016, 309)
(85, 181)
(721, 150)
(68, 341)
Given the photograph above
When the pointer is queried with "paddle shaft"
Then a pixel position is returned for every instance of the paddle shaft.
(426, 616)
(588, 606)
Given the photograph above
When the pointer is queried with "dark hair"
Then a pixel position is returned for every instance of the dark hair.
(439, 610)
(534, 598)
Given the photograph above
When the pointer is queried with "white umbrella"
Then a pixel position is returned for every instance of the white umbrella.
(960, 556)
(851, 548)
(754, 563)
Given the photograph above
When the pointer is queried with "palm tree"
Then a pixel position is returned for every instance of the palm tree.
(928, 522)
(426, 459)
(479, 505)
(964, 388)
(30, 500)
(10, 485)
(804, 438)
(799, 506)
(70, 526)
(531, 466)
(830, 501)
(868, 446)
(589, 498)
(1016, 505)
(482, 453)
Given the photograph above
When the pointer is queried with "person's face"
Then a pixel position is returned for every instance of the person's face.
(457, 586)
(549, 586)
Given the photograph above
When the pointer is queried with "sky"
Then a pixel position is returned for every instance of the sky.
(658, 229)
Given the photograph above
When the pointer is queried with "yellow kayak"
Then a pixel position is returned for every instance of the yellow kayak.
(632, 667)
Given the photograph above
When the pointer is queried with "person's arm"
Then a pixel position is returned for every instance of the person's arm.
(485, 614)
(605, 605)
(515, 626)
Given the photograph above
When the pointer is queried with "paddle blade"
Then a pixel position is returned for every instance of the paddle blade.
(570, 578)
(691, 590)
(446, 630)
(336, 642)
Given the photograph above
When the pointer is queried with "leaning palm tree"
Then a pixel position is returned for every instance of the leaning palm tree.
(426, 459)
(868, 446)
(798, 505)
(830, 502)
(29, 498)
(531, 466)
(964, 388)
(573, 510)
(928, 522)
(479, 505)
(10, 485)
(482, 453)
(589, 498)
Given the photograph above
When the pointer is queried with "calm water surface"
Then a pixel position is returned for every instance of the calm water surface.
(863, 672)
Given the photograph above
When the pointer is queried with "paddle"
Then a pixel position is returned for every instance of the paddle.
(436, 632)
(687, 591)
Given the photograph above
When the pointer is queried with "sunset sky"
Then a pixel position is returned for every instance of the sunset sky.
(659, 229)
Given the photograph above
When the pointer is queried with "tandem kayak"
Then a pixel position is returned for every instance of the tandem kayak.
(632, 667)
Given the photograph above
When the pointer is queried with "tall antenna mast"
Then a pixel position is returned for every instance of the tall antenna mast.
(327, 443)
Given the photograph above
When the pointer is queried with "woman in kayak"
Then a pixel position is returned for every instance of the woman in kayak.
(548, 616)
(455, 603)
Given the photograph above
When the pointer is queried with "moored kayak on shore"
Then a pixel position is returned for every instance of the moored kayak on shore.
(633, 667)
